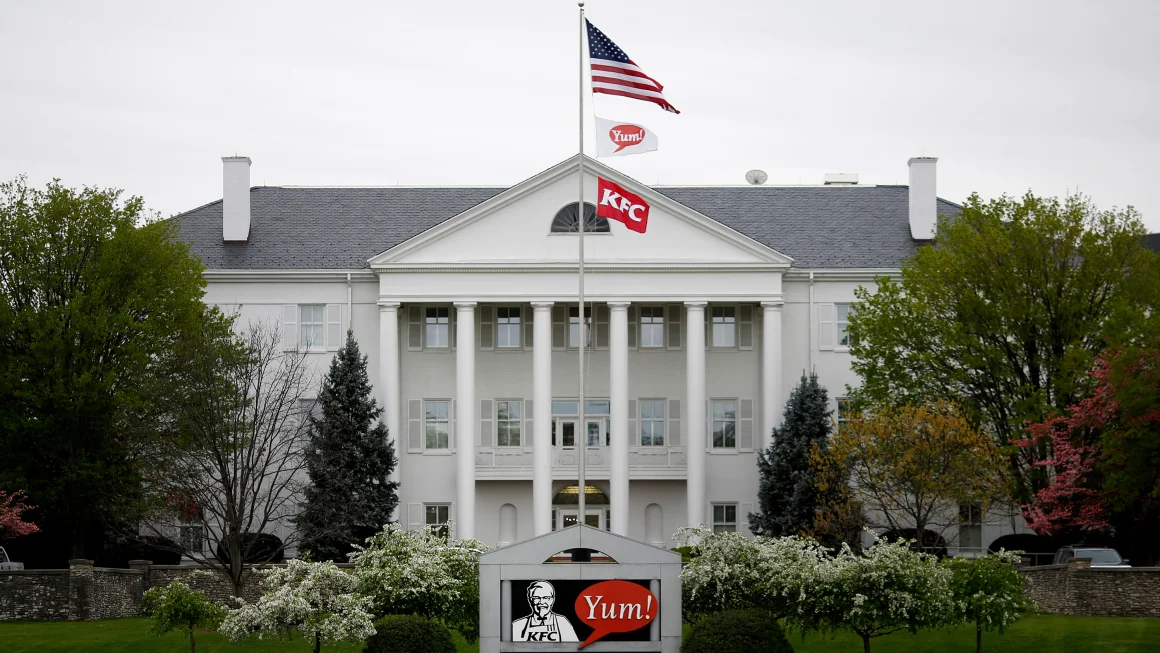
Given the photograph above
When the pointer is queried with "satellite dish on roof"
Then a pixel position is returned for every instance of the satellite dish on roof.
(756, 177)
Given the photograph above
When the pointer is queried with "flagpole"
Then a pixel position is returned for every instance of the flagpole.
(583, 323)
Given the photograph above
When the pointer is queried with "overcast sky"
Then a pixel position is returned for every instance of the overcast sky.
(1011, 95)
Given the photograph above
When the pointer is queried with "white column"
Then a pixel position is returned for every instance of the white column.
(695, 412)
(771, 373)
(465, 423)
(389, 375)
(618, 406)
(542, 418)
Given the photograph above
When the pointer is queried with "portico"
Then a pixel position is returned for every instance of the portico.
(507, 302)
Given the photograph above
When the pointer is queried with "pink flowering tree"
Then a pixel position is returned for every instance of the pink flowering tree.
(12, 509)
(1100, 456)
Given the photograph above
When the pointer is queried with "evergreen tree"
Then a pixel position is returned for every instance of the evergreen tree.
(786, 496)
(349, 459)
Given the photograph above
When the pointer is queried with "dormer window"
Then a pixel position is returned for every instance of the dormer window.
(566, 221)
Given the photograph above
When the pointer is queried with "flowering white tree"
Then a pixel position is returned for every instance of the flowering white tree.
(988, 591)
(421, 572)
(885, 589)
(730, 571)
(317, 599)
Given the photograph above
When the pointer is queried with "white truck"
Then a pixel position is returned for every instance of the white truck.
(6, 564)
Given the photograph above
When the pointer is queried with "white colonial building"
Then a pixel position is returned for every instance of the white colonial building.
(465, 300)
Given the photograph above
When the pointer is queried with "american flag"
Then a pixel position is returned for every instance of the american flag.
(615, 74)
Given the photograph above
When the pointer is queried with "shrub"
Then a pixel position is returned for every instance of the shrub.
(177, 607)
(409, 633)
(737, 631)
(263, 548)
(988, 592)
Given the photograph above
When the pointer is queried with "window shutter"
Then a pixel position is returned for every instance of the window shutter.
(486, 315)
(452, 322)
(743, 517)
(633, 312)
(673, 318)
(633, 431)
(602, 329)
(825, 326)
(745, 425)
(289, 327)
(414, 516)
(559, 327)
(708, 327)
(333, 327)
(451, 517)
(527, 434)
(484, 437)
(674, 434)
(745, 327)
(527, 317)
(415, 328)
(415, 426)
(453, 434)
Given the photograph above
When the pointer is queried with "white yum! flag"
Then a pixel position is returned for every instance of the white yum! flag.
(615, 138)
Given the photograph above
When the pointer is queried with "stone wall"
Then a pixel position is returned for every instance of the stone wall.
(84, 592)
(1078, 589)
(34, 594)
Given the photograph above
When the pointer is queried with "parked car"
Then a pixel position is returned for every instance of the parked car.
(1099, 555)
(6, 564)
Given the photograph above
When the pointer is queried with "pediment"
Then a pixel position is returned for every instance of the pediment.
(513, 229)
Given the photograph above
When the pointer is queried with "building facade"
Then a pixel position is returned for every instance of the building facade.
(465, 300)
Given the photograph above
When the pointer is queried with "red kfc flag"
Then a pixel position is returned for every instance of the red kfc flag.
(620, 205)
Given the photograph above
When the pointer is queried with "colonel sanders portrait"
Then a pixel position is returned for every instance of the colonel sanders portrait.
(543, 625)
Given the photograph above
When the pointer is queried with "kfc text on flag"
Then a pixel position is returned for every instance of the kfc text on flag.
(616, 203)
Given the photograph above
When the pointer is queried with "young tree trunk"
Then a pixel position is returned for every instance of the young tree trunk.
(978, 637)
(192, 645)
(317, 642)
(865, 644)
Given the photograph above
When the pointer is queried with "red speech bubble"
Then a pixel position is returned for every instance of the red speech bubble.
(626, 136)
(615, 606)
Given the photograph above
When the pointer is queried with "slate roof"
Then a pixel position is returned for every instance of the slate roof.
(341, 228)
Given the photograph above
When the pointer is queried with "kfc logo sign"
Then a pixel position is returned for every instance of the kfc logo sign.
(615, 203)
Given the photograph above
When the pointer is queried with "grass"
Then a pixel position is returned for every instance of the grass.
(1035, 634)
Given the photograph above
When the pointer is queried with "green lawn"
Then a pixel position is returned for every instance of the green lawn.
(1037, 634)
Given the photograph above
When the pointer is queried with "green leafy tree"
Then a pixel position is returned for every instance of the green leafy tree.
(988, 592)
(177, 607)
(349, 461)
(94, 291)
(1006, 312)
(787, 497)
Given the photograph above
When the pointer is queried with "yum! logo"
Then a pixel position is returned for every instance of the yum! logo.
(626, 135)
(619, 204)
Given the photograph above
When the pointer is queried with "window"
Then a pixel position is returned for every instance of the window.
(574, 327)
(845, 411)
(311, 325)
(192, 537)
(438, 517)
(652, 422)
(652, 326)
(724, 423)
(725, 518)
(971, 528)
(566, 222)
(438, 327)
(844, 311)
(508, 415)
(438, 424)
(508, 327)
(724, 326)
